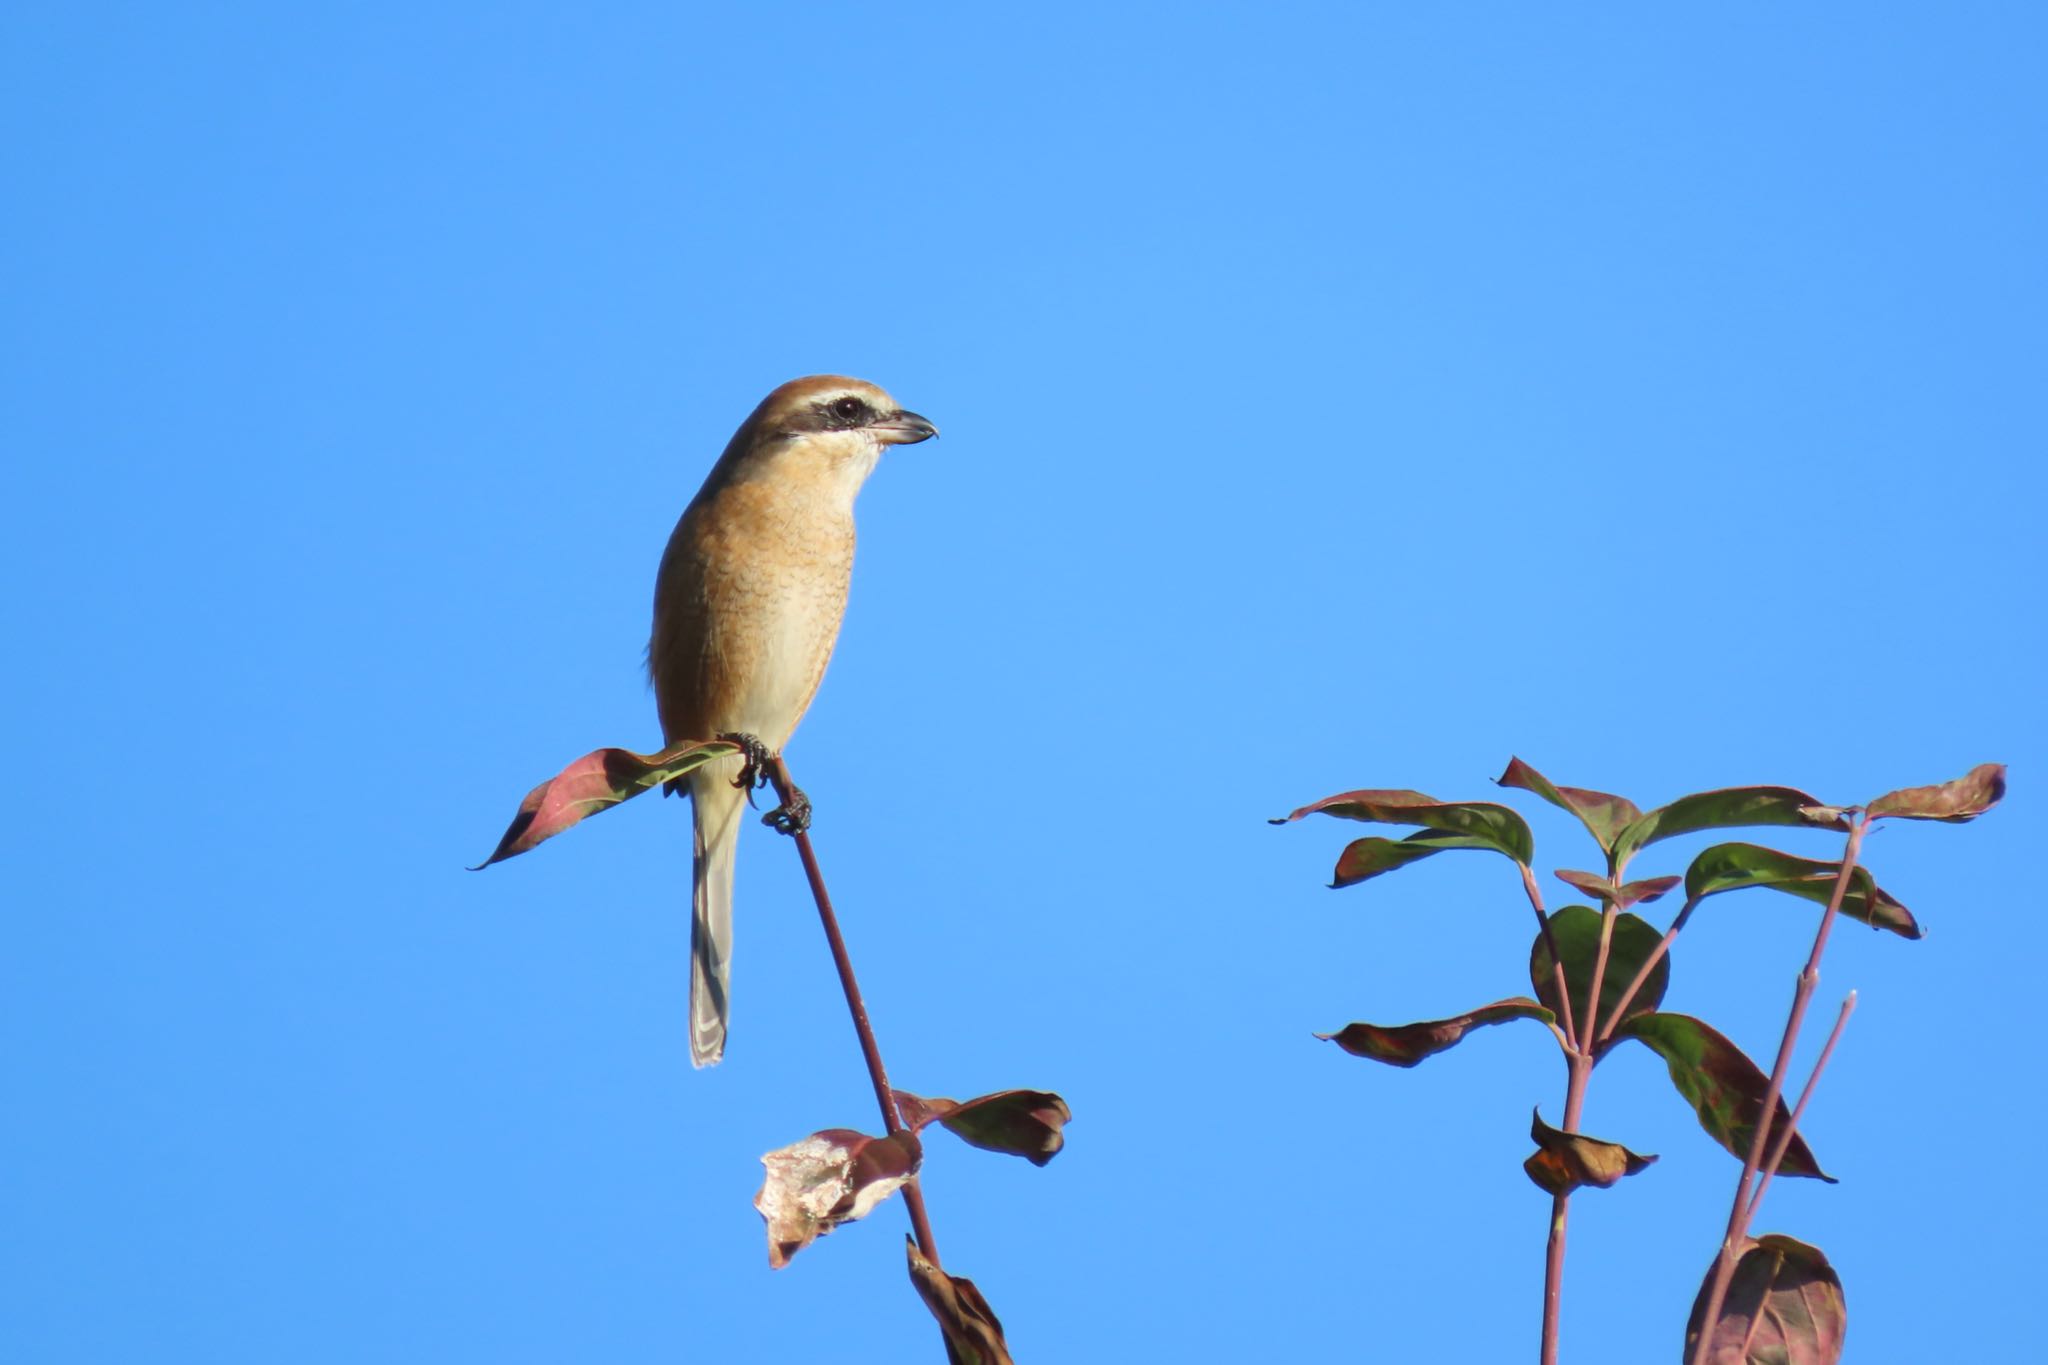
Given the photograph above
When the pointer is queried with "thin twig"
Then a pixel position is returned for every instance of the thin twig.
(1739, 1211)
(1783, 1142)
(1564, 995)
(913, 1196)
(1628, 996)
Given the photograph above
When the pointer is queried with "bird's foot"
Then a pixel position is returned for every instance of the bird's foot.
(792, 816)
(754, 760)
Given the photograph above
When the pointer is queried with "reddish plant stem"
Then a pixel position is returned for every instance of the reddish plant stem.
(1635, 983)
(1741, 1208)
(1783, 1141)
(1564, 996)
(885, 1096)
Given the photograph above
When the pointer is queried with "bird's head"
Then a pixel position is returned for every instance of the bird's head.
(827, 422)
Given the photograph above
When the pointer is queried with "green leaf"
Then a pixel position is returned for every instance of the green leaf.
(1407, 1044)
(1734, 867)
(1565, 1161)
(1966, 798)
(1364, 859)
(1603, 814)
(1577, 931)
(1486, 824)
(598, 781)
(1724, 1087)
(1784, 1307)
(1725, 809)
(1024, 1123)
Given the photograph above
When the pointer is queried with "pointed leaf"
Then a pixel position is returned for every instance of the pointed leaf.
(1603, 889)
(829, 1178)
(1723, 1086)
(1024, 1123)
(1725, 809)
(1490, 825)
(1408, 1044)
(1565, 1161)
(1577, 931)
(1603, 814)
(1966, 798)
(1784, 1307)
(595, 782)
(973, 1335)
(1364, 859)
(1733, 867)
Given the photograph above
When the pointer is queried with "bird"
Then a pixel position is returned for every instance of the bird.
(747, 607)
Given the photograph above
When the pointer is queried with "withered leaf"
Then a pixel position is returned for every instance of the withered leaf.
(598, 781)
(1408, 1044)
(831, 1177)
(1024, 1123)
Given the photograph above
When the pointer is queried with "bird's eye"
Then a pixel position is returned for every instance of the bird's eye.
(849, 409)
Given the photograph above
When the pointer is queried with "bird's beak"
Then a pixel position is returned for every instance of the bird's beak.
(902, 428)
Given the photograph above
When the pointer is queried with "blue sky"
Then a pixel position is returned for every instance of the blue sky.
(1333, 396)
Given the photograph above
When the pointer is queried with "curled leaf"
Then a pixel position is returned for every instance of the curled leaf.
(1603, 814)
(1723, 1086)
(829, 1178)
(1364, 859)
(597, 781)
(1966, 798)
(1784, 1307)
(1576, 928)
(973, 1335)
(1565, 1161)
(1407, 1044)
(1024, 1123)
(1486, 823)
(1734, 867)
(1724, 809)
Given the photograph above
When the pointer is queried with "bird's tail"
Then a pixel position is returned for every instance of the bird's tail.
(716, 805)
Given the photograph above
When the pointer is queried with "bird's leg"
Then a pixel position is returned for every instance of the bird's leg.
(792, 816)
(754, 759)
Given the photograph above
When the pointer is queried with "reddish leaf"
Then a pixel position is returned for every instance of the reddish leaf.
(1364, 859)
(1724, 1087)
(831, 1177)
(1410, 1043)
(1577, 931)
(1489, 825)
(1966, 798)
(1734, 867)
(1565, 1161)
(595, 782)
(973, 1336)
(1024, 1123)
(1725, 809)
(1603, 889)
(1603, 814)
(1784, 1307)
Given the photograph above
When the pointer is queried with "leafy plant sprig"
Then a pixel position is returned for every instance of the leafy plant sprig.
(1599, 977)
(835, 1175)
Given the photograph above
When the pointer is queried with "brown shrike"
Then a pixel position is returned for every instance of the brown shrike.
(746, 611)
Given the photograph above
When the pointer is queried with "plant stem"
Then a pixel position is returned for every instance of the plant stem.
(1784, 1139)
(1635, 983)
(1740, 1211)
(1564, 995)
(1580, 1065)
(913, 1196)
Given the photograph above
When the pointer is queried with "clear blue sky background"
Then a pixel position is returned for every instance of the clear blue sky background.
(1333, 396)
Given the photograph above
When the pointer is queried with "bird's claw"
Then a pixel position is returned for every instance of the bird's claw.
(792, 816)
(754, 760)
